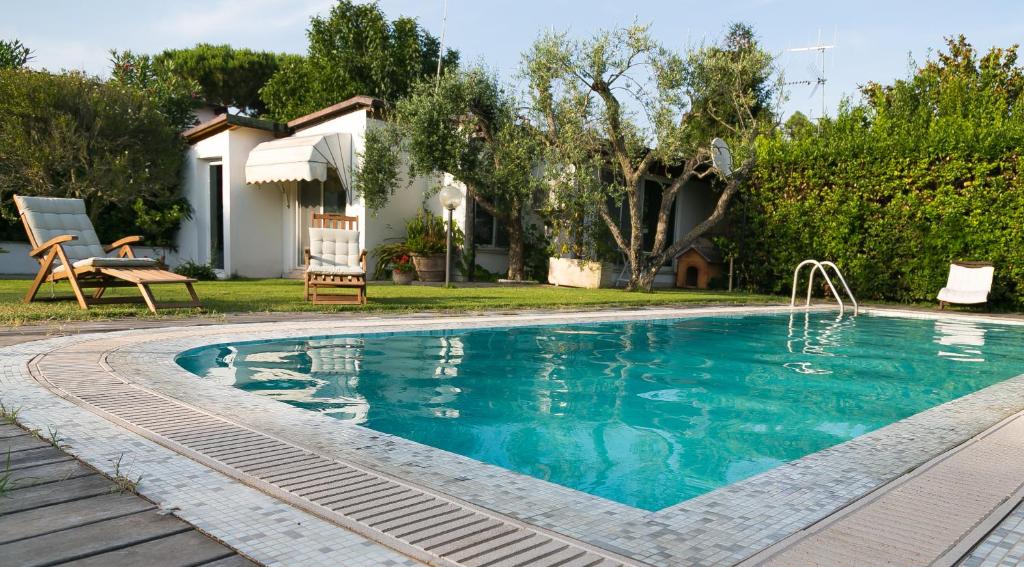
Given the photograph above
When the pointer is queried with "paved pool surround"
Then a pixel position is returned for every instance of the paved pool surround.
(718, 528)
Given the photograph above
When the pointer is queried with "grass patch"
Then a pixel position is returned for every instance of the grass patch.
(281, 295)
(123, 481)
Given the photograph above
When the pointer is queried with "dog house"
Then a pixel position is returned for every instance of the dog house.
(698, 265)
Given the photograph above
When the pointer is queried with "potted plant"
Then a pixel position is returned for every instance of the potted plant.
(403, 271)
(394, 257)
(425, 240)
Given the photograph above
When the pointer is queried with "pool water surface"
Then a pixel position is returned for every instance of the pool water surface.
(645, 413)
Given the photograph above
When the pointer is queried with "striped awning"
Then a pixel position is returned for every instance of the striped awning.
(297, 158)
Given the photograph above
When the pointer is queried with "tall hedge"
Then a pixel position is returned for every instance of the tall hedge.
(921, 173)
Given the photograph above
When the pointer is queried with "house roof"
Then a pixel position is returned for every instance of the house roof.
(226, 121)
(344, 107)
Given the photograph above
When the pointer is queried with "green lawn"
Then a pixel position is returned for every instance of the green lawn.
(278, 295)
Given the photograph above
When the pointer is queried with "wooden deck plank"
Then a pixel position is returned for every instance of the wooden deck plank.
(53, 472)
(49, 519)
(54, 493)
(179, 550)
(92, 539)
(33, 457)
(20, 443)
(8, 430)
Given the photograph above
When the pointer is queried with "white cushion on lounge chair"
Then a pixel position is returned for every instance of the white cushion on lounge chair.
(967, 284)
(50, 217)
(334, 251)
(336, 270)
(113, 263)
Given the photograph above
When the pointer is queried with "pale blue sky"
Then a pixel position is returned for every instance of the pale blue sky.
(873, 37)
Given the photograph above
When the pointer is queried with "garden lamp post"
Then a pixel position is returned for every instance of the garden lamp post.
(450, 197)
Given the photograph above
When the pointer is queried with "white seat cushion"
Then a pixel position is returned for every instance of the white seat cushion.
(113, 263)
(334, 251)
(49, 217)
(336, 270)
(961, 296)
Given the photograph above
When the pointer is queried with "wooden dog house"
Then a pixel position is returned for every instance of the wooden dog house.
(698, 264)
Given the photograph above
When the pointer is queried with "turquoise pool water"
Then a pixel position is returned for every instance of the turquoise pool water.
(643, 413)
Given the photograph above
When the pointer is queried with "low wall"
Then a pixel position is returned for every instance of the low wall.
(17, 262)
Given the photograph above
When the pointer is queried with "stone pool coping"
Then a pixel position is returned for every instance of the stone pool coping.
(720, 527)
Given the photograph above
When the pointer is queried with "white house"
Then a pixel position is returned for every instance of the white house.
(254, 184)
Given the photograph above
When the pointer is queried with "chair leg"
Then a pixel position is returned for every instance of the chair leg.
(147, 295)
(72, 279)
(192, 292)
(44, 270)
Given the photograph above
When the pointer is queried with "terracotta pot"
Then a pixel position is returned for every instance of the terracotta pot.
(429, 268)
(402, 278)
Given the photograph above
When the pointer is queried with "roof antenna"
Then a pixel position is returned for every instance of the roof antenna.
(817, 71)
(440, 48)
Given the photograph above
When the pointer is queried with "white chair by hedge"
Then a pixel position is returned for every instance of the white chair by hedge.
(969, 283)
(334, 260)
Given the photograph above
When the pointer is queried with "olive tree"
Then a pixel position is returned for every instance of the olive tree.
(465, 124)
(613, 108)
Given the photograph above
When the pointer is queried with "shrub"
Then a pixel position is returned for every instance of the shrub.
(191, 269)
(425, 234)
(924, 172)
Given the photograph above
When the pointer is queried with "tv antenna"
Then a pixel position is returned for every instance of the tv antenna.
(817, 71)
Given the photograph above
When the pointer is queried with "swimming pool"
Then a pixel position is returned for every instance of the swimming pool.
(646, 413)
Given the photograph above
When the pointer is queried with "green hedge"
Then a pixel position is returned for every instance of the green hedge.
(924, 172)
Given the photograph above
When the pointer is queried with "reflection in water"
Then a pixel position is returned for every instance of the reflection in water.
(964, 339)
(644, 413)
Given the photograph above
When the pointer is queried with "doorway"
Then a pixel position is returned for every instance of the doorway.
(316, 197)
(217, 215)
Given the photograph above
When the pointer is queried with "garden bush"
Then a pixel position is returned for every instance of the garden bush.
(921, 173)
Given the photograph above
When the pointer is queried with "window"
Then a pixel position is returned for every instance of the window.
(488, 231)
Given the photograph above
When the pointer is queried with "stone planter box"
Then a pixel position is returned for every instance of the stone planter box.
(578, 273)
(402, 278)
(429, 268)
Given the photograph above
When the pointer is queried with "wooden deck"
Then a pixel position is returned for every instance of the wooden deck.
(58, 510)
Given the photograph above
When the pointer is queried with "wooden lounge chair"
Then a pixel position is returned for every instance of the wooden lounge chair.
(65, 244)
(969, 283)
(333, 260)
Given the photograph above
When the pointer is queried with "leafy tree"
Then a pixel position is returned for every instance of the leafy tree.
(226, 76)
(14, 54)
(71, 135)
(353, 51)
(172, 94)
(467, 125)
(798, 126)
(611, 108)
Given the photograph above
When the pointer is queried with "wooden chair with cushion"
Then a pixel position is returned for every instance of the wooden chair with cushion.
(334, 260)
(65, 244)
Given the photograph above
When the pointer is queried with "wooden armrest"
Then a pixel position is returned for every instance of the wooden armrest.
(42, 248)
(123, 242)
(305, 256)
(362, 259)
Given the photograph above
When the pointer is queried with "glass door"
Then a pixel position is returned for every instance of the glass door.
(316, 197)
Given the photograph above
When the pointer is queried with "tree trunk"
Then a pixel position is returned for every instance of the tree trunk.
(468, 238)
(515, 246)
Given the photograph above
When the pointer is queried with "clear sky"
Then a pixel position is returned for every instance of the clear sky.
(873, 38)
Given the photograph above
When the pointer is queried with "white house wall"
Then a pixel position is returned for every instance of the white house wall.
(252, 213)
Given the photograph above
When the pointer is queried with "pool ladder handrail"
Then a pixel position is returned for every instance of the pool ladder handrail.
(821, 266)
